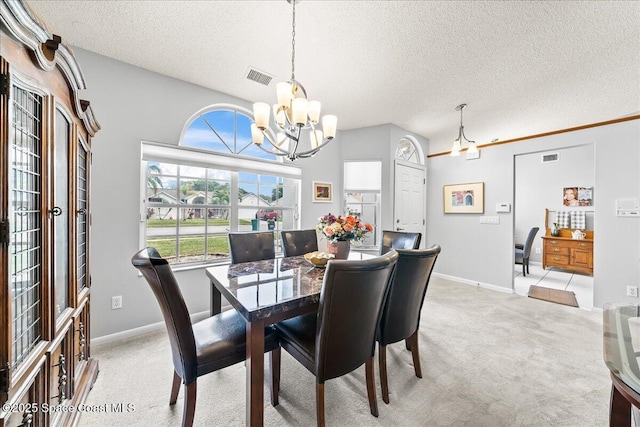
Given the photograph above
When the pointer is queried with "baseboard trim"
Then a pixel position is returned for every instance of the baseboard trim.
(474, 283)
(118, 336)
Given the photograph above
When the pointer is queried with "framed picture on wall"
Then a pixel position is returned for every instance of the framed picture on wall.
(322, 192)
(577, 196)
(464, 198)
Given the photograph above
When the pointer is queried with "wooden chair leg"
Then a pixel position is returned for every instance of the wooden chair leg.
(407, 344)
(382, 363)
(320, 404)
(189, 404)
(415, 354)
(371, 386)
(175, 388)
(274, 367)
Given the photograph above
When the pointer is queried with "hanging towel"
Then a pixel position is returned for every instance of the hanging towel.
(563, 218)
(578, 220)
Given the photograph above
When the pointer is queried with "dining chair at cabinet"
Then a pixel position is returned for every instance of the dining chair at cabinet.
(206, 346)
(400, 318)
(399, 240)
(341, 336)
(299, 242)
(252, 246)
(523, 251)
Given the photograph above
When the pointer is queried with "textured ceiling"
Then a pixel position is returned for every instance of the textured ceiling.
(523, 67)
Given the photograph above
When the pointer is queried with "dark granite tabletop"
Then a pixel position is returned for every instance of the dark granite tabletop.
(261, 289)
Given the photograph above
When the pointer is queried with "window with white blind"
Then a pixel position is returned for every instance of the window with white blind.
(362, 194)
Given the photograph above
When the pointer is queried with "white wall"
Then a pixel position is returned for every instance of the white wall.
(539, 185)
(132, 105)
(378, 143)
(484, 253)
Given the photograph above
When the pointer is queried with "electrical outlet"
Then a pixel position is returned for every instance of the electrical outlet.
(116, 302)
(538, 251)
(632, 291)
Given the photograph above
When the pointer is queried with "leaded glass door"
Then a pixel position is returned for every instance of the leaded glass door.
(82, 214)
(60, 213)
(25, 253)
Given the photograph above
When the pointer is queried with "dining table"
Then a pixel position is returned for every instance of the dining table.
(266, 292)
(621, 332)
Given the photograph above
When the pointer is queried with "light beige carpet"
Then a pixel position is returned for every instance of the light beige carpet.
(488, 359)
(558, 296)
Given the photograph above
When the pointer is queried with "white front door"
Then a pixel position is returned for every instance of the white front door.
(409, 207)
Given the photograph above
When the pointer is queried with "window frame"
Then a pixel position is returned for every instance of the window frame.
(186, 156)
(236, 162)
(348, 188)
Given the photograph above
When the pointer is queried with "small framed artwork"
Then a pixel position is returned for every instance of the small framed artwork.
(577, 196)
(464, 198)
(322, 192)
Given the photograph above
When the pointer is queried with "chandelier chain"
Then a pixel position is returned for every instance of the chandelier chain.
(292, 113)
(293, 42)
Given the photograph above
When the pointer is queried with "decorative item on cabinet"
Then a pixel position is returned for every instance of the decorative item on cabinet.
(45, 135)
(568, 249)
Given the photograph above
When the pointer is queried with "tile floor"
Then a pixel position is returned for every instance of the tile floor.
(580, 284)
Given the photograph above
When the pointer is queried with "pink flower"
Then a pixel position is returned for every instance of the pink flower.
(328, 231)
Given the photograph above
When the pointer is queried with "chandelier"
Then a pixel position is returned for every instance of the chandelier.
(457, 144)
(292, 113)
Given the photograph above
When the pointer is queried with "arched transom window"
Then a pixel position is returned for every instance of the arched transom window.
(223, 129)
(408, 150)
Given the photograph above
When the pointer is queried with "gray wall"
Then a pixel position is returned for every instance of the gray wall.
(484, 253)
(539, 185)
(132, 105)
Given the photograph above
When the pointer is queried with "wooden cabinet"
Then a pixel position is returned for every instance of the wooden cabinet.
(567, 253)
(45, 159)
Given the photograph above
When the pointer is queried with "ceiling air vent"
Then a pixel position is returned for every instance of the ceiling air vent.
(259, 76)
(550, 157)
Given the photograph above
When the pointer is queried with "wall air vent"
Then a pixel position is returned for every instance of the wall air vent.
(550, 157)
(259, 76)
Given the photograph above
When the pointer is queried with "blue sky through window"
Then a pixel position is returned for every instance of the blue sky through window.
(223, 131)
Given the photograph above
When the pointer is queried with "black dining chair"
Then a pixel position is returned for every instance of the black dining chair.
(340, 337)
(400, 318)
(299, 242)
(252, 246)
(523, 252)
(399, 240)
(206, 346)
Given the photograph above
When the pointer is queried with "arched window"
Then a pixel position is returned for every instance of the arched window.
(409, 150)
(223, 129)
(215, 181)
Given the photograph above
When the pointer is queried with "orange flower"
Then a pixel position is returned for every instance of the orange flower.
(369, 227)
(351, 220)
(348, 227)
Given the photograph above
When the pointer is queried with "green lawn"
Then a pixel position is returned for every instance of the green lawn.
(151, 223)
(191, 245)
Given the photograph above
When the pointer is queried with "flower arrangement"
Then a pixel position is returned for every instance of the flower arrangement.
(338, 228)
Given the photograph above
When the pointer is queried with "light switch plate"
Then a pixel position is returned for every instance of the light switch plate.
(493, 220)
